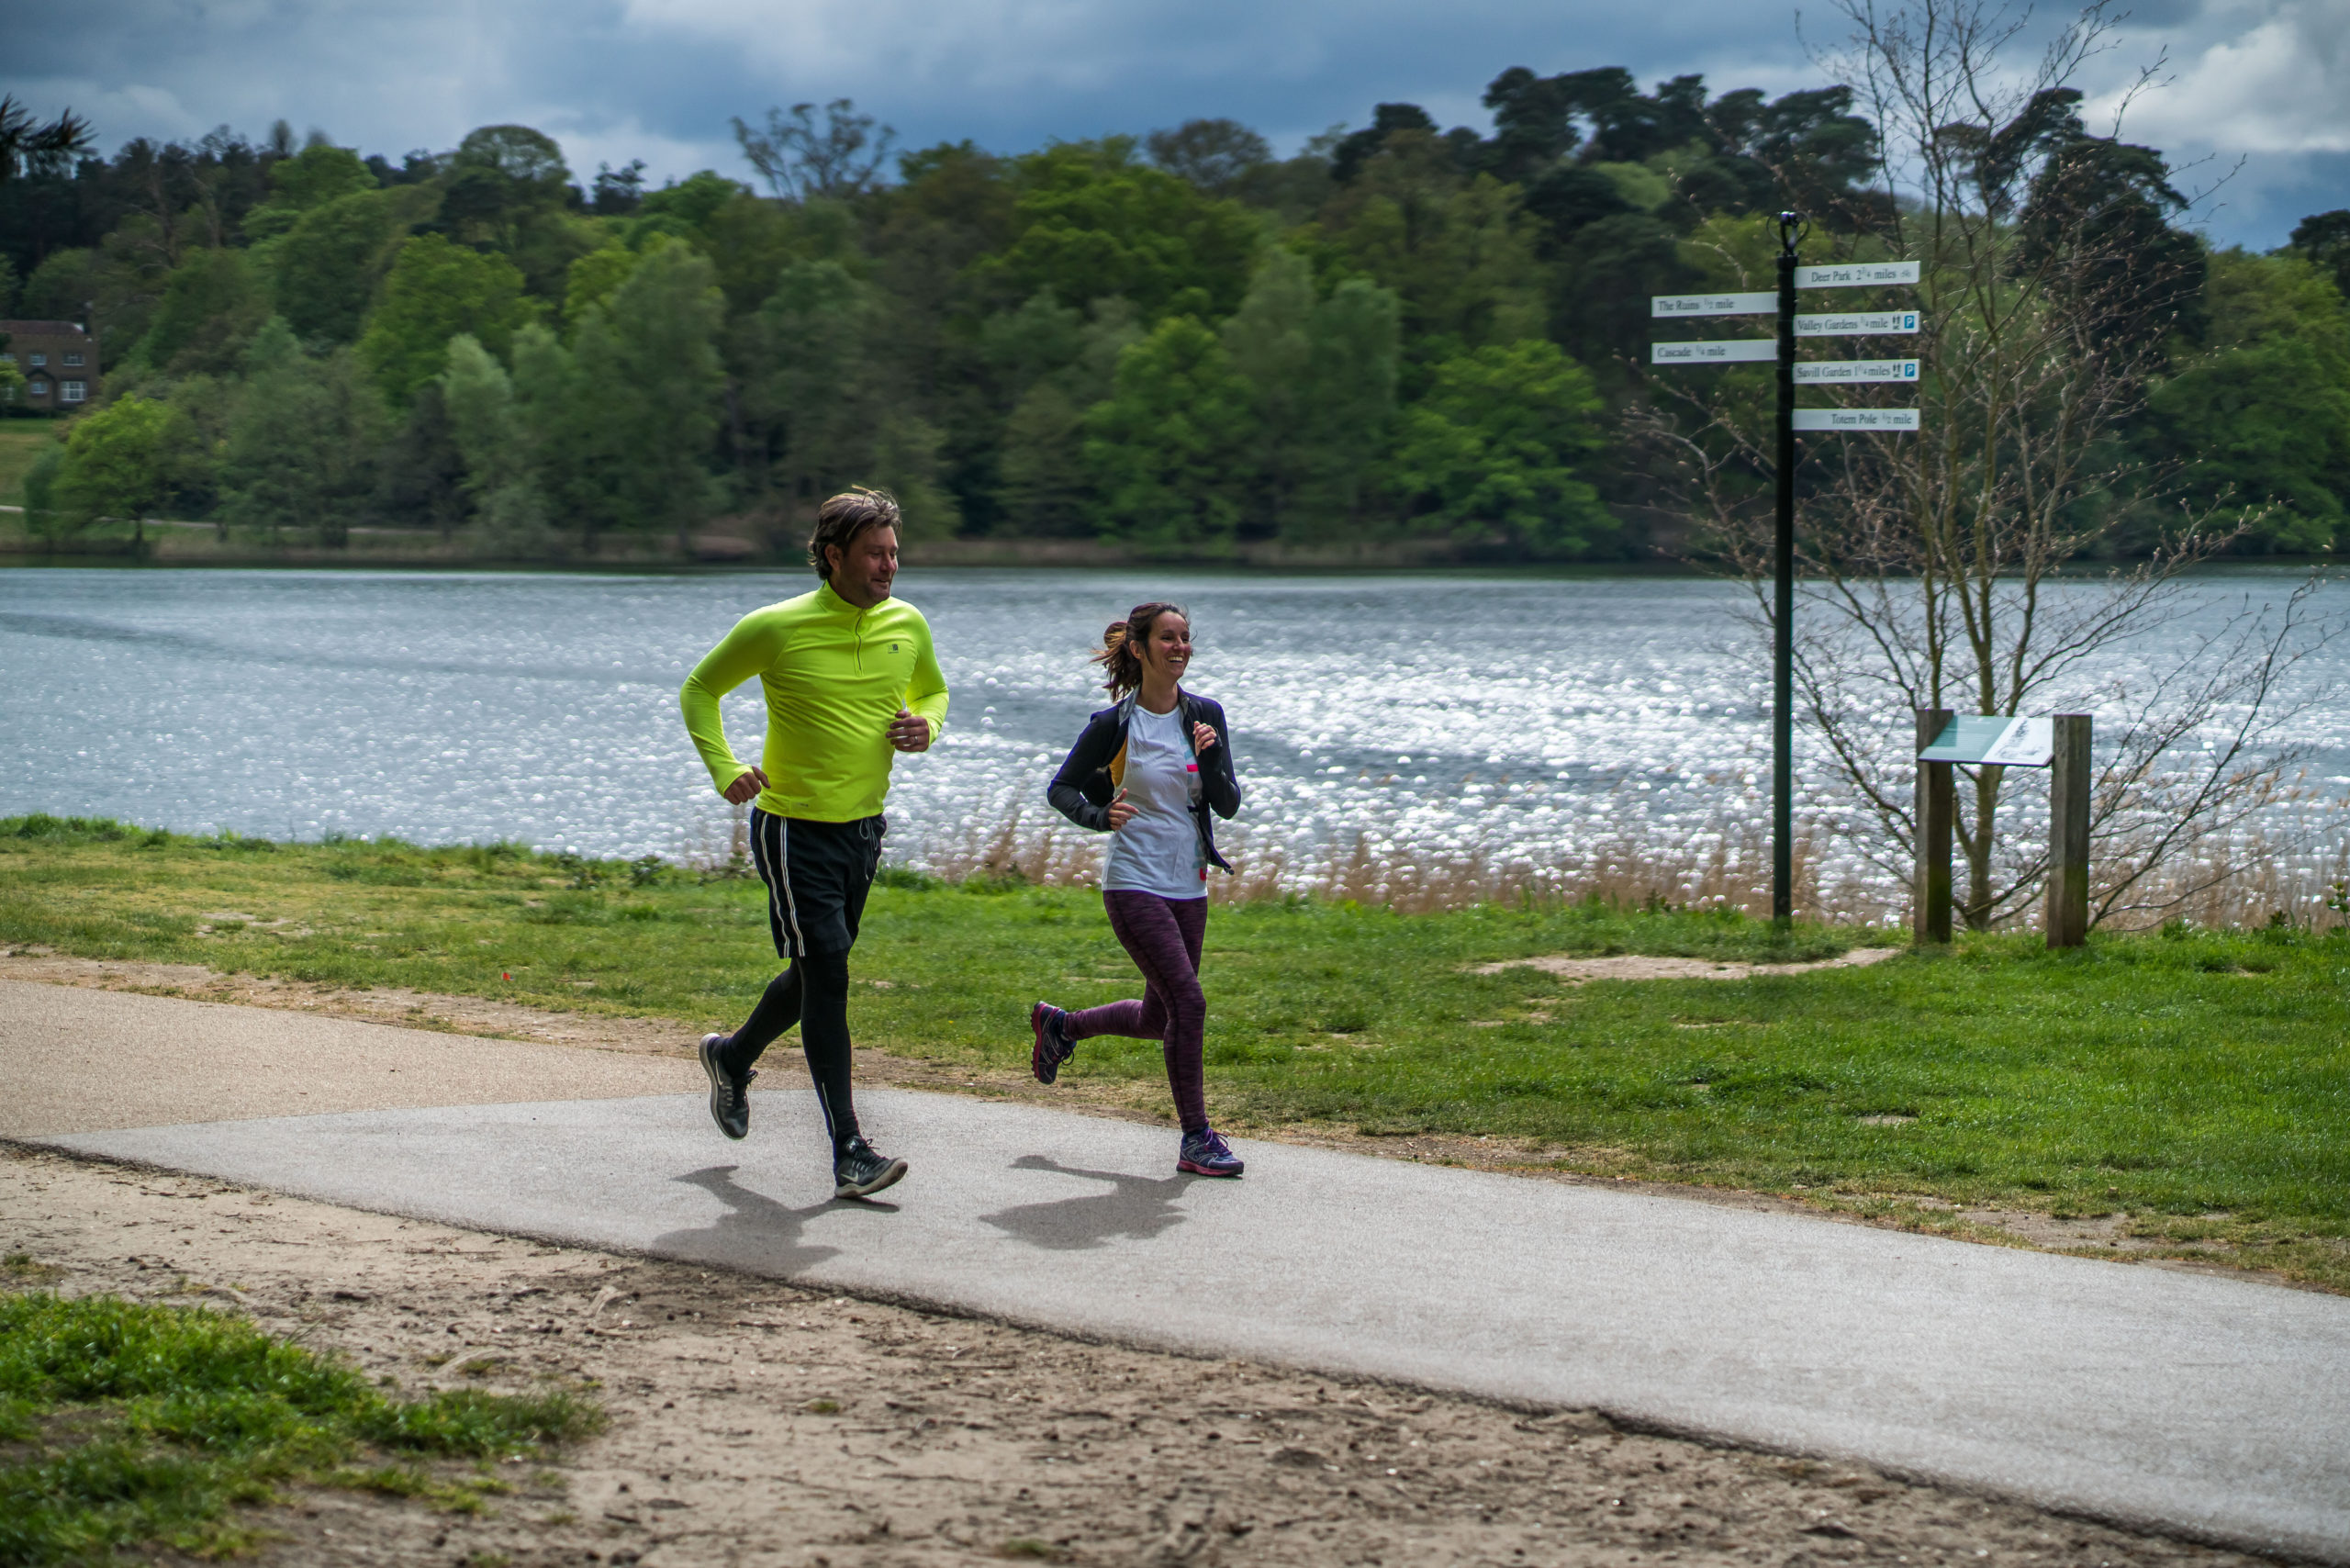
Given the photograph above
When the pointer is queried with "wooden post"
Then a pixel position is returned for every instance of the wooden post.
(1936, 806)
(2068, 915)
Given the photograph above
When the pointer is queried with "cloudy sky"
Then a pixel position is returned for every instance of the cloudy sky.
(2257, 90)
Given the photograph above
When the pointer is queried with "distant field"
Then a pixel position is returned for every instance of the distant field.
(20, 442)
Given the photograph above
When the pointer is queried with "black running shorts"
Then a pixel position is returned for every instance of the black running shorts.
(817, 875)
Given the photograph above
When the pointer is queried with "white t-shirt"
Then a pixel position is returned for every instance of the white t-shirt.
(1159, 849)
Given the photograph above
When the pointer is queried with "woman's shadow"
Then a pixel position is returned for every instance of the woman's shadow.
(1137, 1208)
(755, 1232)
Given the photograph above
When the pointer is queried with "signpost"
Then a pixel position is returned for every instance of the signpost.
(1781, 350)
(2060, 744)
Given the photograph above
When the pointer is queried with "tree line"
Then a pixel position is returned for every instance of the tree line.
(1178, 341)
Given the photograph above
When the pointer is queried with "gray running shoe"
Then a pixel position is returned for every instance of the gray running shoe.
(729, 1091)
(859, 1173)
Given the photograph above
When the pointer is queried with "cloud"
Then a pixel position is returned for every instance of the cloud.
(614, 80)
(2249, 76)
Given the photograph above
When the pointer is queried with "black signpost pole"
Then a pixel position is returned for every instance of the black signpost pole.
(1782, 651)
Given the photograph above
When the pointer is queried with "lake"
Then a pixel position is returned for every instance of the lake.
(1446, 720)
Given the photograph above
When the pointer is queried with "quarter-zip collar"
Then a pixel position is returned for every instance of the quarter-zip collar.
(834, 604)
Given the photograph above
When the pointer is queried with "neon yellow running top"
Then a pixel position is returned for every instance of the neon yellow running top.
(835, 677)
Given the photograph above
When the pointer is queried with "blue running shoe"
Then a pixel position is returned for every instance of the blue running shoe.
(1206, 1154)
(1052, 1046)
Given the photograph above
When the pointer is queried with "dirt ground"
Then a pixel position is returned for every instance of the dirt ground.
(754, 1423)
(1579, 971)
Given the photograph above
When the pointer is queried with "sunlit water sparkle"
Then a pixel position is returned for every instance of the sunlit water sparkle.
(1525, 721)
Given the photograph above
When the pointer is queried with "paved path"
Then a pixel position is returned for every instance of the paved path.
(74, 1060)
(2213, 1406)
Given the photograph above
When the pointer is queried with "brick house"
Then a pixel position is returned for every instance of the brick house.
(59, 361)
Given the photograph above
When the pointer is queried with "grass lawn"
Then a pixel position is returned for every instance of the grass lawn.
(123, 1423)
(2196, 1083)
(20, 442)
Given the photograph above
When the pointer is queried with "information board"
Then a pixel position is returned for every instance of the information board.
(1856, 418)
(1994, 739)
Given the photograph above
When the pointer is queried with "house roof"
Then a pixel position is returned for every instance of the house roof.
(43, 329)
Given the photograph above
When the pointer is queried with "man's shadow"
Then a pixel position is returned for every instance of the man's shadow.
(755, 1232)
(1137, 1208)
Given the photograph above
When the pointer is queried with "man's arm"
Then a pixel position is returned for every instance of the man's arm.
(926, 692)
(752, 646)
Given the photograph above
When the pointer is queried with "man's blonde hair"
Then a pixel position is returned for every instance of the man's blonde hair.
(840, 519)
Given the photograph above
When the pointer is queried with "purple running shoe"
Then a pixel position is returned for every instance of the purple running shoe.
(1052, 1046)
(1206, 1154)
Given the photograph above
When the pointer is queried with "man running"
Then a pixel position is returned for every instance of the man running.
(850, 681)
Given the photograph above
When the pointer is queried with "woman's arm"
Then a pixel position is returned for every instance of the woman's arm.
(1084, 759)
(1219, 784)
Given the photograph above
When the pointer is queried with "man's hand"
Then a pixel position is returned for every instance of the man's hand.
(1121, 814)
(747, 787)
(910, 732)
(1203, 738)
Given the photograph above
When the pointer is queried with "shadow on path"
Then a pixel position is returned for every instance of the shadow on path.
(1137, 1208)
(755, 1232)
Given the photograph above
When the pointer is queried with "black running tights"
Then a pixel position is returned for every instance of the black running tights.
(812, 993)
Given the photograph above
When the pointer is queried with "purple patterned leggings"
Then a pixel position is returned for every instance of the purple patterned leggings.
(1162, 937)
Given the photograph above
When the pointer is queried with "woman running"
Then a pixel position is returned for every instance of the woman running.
(1148, 769)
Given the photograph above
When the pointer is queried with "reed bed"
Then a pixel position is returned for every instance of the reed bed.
(2252, 880)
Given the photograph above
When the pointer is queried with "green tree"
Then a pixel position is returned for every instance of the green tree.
(1357, 335)
(2324, 240)
(1271, 346)
(436, 290)
(1491, 452)
(214, 304)
(41, 512)
(1322, 375)
(312, 178)
(1060, 366)
(1091, 222)
(60, 287)
(2262, 414)
(301, 442)
(325, 269)
(811, 392)
(421, 474)
(1459, 253)
(492, 433)
(118, 463)
(1168, 446)
(506, 190)
(651, 357)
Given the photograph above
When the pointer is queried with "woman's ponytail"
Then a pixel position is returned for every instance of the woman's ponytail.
(1121, 640)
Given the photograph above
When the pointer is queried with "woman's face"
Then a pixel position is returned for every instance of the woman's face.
(1169, 647)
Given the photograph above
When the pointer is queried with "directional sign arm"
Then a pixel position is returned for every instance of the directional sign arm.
(1855, 323)
(1857, 274)
(1661, 305)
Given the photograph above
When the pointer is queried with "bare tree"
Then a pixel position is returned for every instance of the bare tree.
(799, 161)
(1955, 567)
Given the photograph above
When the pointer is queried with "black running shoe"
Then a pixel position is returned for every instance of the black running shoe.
(859, 1173)
(1053, 1045)
(729, 1091)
